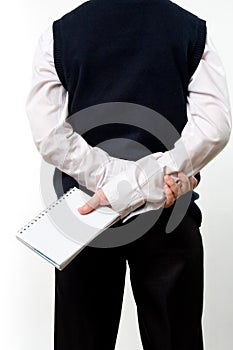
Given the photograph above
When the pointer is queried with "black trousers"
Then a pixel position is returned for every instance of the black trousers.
(166, 273)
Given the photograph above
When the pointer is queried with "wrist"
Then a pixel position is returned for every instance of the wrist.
(92, 168)
(151, 179)
(123, 192)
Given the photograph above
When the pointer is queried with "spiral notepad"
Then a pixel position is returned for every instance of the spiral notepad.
(60, 232)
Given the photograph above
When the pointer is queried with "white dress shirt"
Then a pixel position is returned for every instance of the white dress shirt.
(205, 134)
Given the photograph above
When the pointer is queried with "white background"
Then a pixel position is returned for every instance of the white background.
(27, 281)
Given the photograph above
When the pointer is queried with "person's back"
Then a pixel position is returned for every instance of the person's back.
(136, 51)
(140, 51)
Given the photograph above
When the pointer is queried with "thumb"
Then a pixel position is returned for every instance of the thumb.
(194, 181)
(92, 204)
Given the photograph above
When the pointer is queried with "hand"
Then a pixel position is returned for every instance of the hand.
(98, 199)
(112, 166)
(173, 189)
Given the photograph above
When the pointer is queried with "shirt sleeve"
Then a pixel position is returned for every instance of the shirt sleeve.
(209, 117)
(54, 137)
(205, 134)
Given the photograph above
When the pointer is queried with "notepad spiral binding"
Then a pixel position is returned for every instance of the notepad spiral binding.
(45, 211)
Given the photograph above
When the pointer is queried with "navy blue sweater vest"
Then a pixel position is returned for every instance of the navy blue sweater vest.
(137, 51)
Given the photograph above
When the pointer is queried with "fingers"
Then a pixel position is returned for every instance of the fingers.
(94, 202)
(170, 198)
(185, 181)
(172, 184)
(188, 183)
(173, 190)
(194, 181)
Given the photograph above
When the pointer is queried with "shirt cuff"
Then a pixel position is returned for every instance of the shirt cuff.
(141, 182)
(168, 164)
(123, 192)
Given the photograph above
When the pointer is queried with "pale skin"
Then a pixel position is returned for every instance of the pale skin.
(171, 189)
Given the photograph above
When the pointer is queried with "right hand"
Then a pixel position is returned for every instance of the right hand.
(173, 189)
